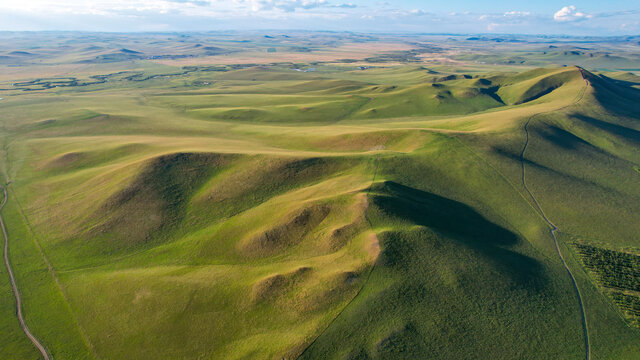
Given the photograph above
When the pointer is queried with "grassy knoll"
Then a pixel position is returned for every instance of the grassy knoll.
(344, 213)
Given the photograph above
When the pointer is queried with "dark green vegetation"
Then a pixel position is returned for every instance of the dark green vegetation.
(368, 205)
(618, 273)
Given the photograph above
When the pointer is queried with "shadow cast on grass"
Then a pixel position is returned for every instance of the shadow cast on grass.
(456, 221)
(629, 134)
(445, 275)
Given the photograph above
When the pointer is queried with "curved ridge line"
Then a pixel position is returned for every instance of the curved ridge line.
(554, 228)
(375, 172)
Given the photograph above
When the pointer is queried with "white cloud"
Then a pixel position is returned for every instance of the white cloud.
(509, 17)
(418, 12)
(353, 15)
(204, 7)
(570, 13)
(287, 5)
(102, 7)
(492, 26)
(516, 13)
(346, 6)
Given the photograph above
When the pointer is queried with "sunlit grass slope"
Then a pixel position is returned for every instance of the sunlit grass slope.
(343, 214)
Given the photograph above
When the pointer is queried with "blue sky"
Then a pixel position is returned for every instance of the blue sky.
(586, 17)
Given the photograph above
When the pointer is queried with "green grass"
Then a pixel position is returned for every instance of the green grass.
(47, 311)
(16, 344)
(335, 214)
(615, 271)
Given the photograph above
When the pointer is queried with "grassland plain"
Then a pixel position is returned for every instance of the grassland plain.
(264, 212)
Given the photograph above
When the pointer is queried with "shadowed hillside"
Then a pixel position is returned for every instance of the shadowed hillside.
(333, 210)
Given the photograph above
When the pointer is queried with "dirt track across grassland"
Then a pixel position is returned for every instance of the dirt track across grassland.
(14, 286)
(554, 228)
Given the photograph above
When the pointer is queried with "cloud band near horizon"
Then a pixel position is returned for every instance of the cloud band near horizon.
(203, 15)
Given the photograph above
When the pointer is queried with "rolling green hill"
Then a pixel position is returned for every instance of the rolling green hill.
(268, 213)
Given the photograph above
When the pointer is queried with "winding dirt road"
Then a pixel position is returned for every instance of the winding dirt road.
(16, 293)
(554, 228)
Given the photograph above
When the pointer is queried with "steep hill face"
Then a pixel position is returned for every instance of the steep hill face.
(296, 225)
(534, 84)
(297, 216)
(167, 196)
(443, 271)
(590, 145)
(581, 163)
(592, 149)
(615, 95)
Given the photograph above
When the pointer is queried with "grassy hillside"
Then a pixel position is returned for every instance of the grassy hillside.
(343, 213)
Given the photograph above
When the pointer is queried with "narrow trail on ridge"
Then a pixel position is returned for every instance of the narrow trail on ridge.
(554, 228)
